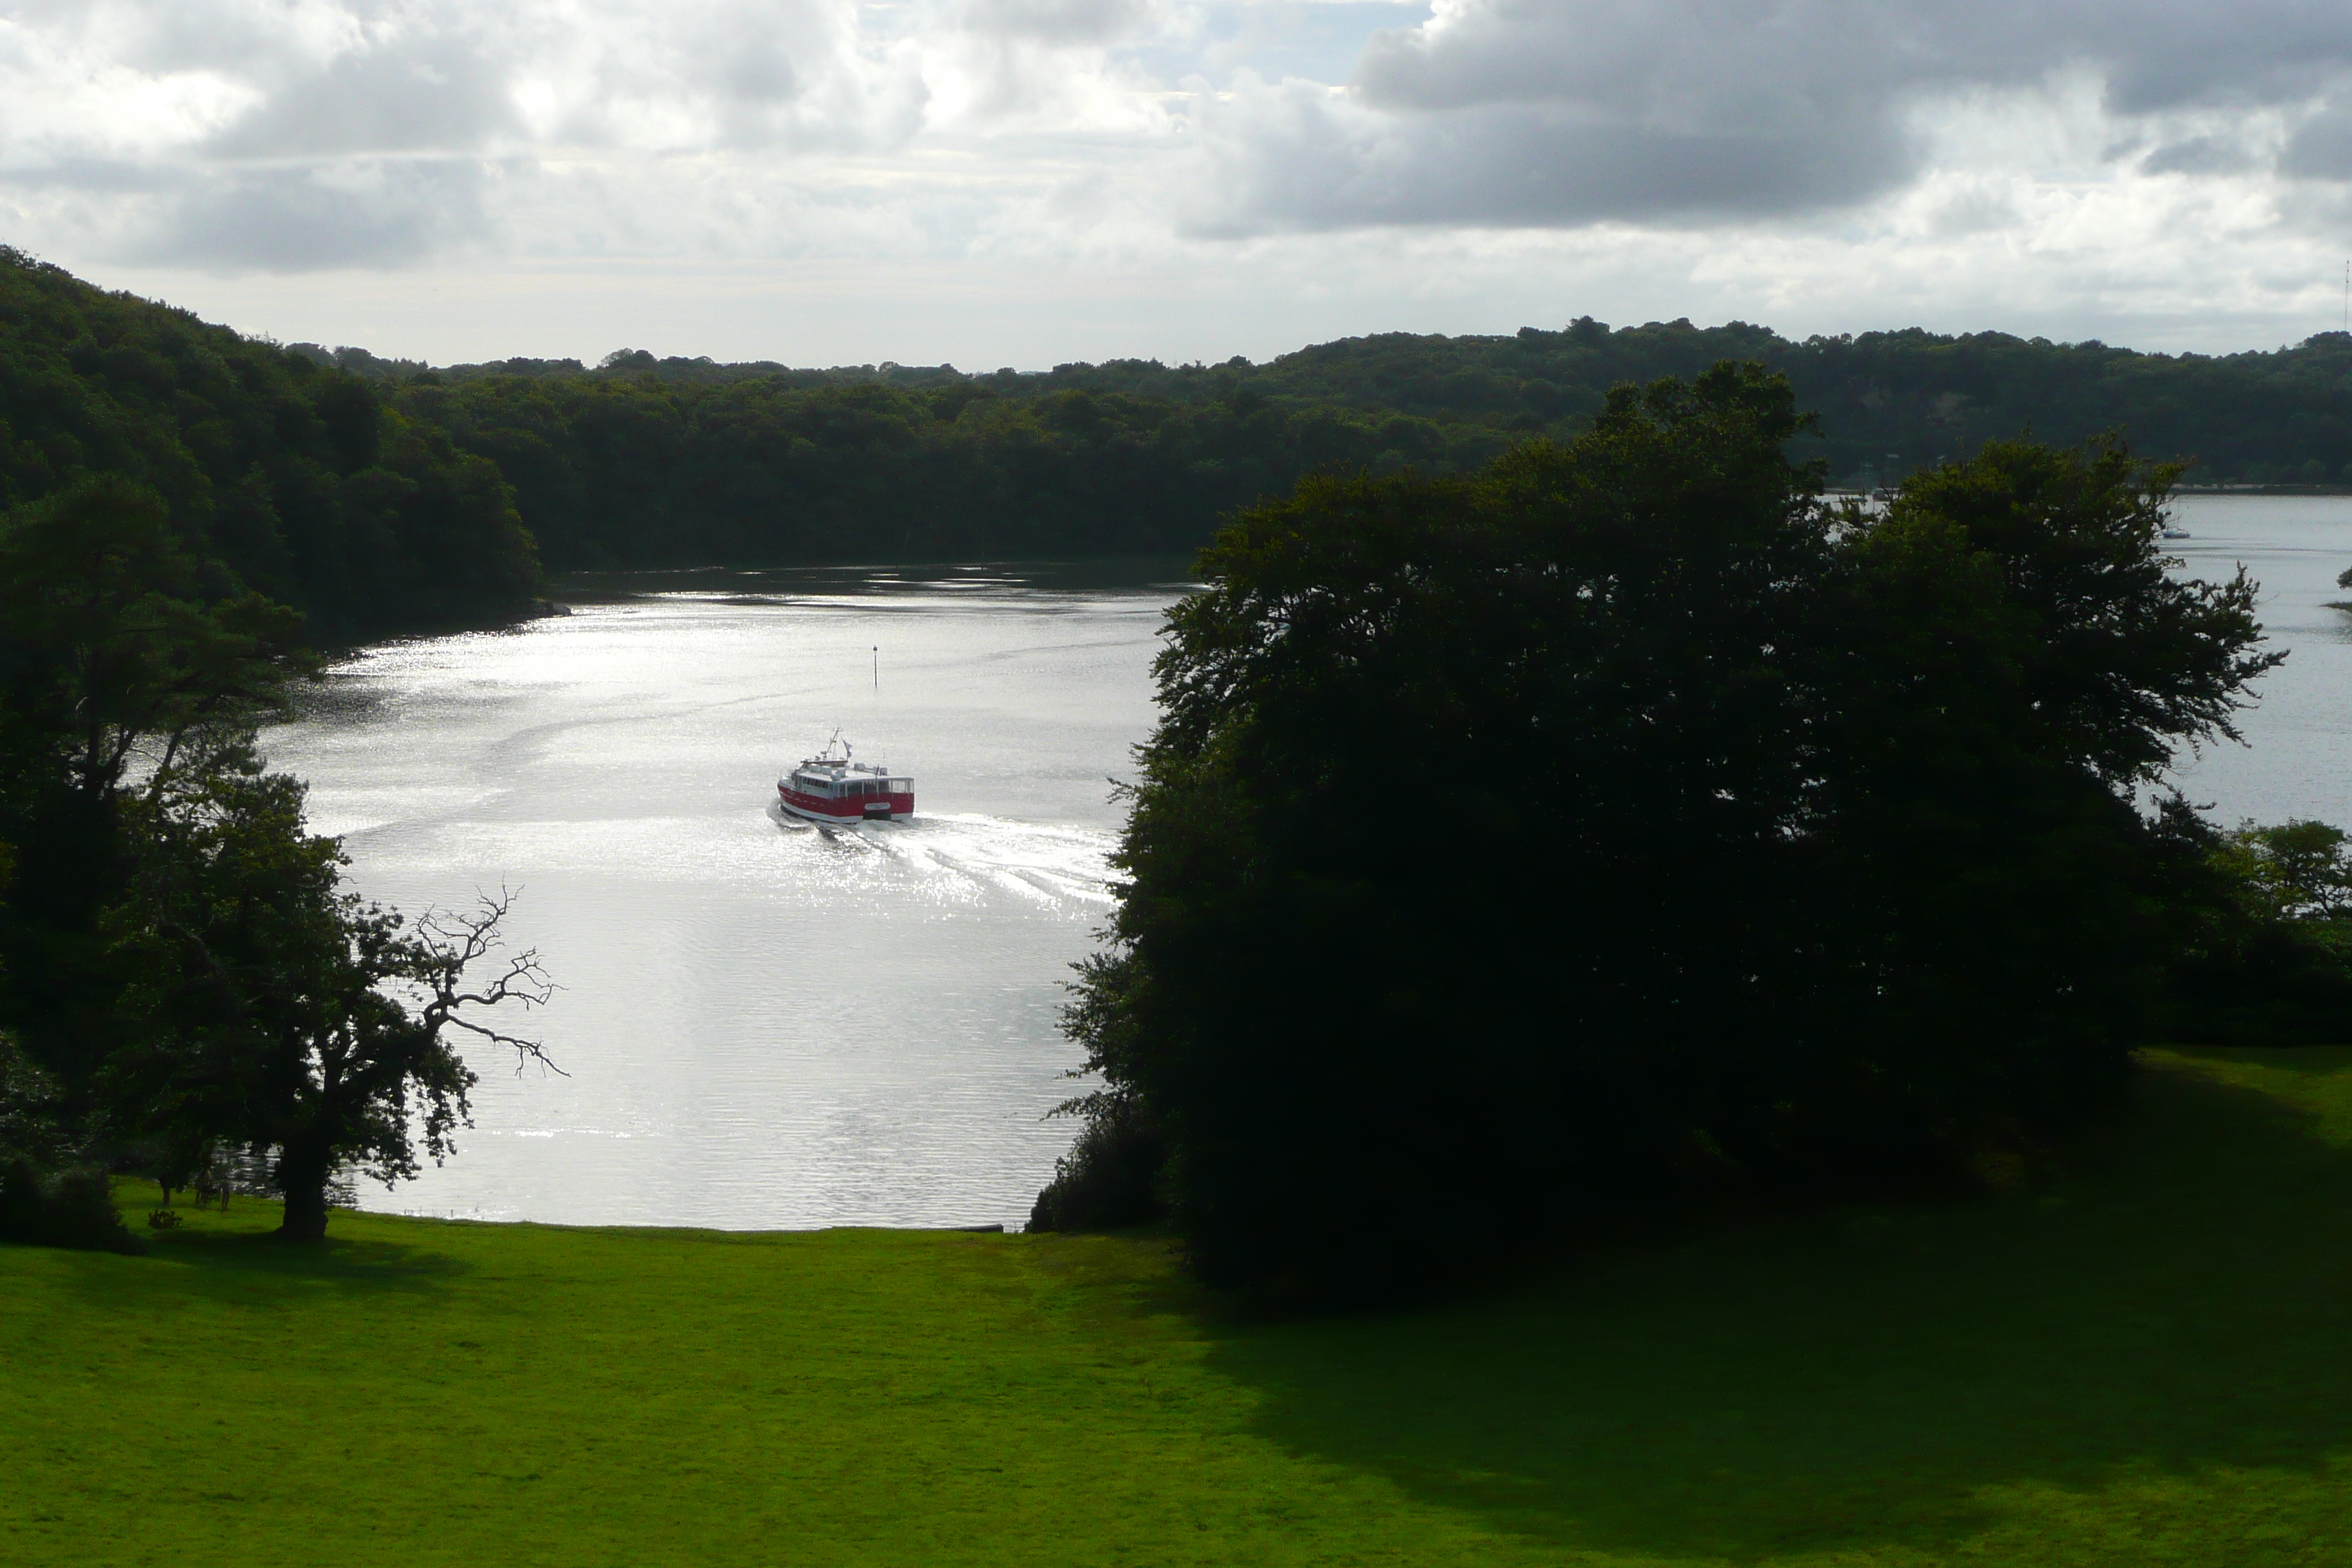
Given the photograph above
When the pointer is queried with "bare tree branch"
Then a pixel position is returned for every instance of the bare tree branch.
(448, 944)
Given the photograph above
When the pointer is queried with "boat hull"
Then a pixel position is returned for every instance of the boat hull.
(847, 813)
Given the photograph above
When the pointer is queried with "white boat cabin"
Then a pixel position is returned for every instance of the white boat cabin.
(848, 781)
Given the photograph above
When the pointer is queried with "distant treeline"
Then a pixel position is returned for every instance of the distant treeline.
(643, 469)
(645, 461)
(379, 495)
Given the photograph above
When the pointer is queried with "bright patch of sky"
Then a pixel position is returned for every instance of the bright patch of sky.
(1025, 181)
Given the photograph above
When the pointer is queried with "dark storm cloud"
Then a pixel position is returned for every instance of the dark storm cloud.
(1521, 165)
(2199, 155)
(292, 220)
(1740, 56)
(1519, 112)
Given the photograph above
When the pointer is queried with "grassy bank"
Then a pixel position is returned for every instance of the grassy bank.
(2144, 1364)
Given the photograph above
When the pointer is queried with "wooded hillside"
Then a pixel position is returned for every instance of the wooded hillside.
(379, 495)
(279, 474)
(645, 461)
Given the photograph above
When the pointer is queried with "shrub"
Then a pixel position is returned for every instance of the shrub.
(1109, 1179)
(72, 1208)
(2268, 958)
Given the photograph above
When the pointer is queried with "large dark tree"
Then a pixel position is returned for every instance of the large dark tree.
(1516, 851)
(270, 1006)
(1988, 918)
(180, 964)
(113, 665)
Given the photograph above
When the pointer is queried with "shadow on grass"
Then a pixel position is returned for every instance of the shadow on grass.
(245, 1264)
(1863, 1377)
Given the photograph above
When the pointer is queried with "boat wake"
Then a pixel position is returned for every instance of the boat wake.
(1045, 865)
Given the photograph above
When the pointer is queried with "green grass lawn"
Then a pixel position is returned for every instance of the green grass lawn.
(2149, 1363)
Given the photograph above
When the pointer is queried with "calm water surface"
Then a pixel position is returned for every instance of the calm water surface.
(767, 1023)
(2298, 761)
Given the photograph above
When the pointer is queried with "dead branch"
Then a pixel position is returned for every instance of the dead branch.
(448, 944)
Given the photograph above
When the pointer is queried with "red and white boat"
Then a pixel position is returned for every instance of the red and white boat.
(838, 789)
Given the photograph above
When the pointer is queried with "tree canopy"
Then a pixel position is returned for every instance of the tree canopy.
(642, 461)
(181, 968)
(378, 495)
(1625, 821)
(276, 475)
(267, 1006)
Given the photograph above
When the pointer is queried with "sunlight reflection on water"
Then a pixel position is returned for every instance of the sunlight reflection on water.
(766, 1023)
(769, 1024)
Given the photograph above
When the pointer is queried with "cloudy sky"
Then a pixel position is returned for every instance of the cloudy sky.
(1023, 182)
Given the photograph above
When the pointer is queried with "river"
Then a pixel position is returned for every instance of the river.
(2298, 758)
(767, 1025)
(762, 1023)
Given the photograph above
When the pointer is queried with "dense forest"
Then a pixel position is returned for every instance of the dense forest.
(378, 495)
(279, 475)
(644, 461)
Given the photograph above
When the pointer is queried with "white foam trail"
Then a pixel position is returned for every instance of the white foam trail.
(1046, 865)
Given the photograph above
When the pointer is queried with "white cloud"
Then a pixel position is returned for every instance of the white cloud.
(2106, 161)
(339, 132)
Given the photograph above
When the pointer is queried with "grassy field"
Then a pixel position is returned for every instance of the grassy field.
(2149, 1363)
